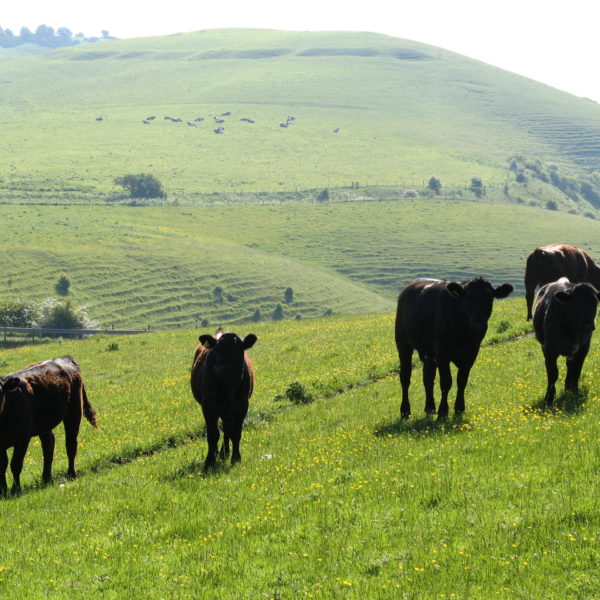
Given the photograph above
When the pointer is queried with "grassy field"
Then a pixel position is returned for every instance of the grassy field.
(158, 267)
(367, 108)
(335, 499)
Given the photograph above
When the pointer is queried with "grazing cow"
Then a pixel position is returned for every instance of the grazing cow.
(222, 381)
(550, 263)
(563, 321)
(36, 400)
(445, 322)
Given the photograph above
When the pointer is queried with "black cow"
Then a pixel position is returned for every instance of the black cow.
(563, 321)
(222, 381)
(35, 400)
(445, 322)
(550, 263)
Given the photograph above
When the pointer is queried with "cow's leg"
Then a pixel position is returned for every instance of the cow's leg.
(529, 294)
(72, 423)
(47, 440)
(551, 375)
(574, 366)
(3, 467)
(212, 436)
(529, 299)
(226, 437)
(16, 464)
(236, 436)
(445, 385)
(429, 368)
(405, 356)
(462, 378)
(71, 433)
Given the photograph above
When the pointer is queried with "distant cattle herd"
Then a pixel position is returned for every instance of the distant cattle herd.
(444, 321)
(219, 120)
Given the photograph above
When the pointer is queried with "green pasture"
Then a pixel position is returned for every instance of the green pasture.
(368, 108)
(335, 499)
(158, 267)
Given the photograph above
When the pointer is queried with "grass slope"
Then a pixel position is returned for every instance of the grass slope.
(159, 266)
(403, 111)
(334, 499)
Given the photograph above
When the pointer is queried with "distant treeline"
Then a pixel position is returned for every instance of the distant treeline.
(46, 36)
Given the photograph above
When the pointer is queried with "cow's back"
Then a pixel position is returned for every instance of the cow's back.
(44, 395)
(550, 263)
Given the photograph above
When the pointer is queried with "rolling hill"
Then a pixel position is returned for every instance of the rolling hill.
(296, 112)
(298, 109)
(169, 266)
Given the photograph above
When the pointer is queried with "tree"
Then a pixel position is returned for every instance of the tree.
(26, 35)
(323, 196)
(142, 185)
(288, 295)
(61, 314)
(62, 286)
(277, 313)
(435, 185)
(19, 313)
(477, 186)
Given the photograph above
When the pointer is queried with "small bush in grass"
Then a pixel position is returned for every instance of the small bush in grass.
(503, 326)
(296, 393)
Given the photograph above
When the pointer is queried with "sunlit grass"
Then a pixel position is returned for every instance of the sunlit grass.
(335, 498)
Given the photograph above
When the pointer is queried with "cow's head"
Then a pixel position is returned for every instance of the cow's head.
(7, 384)
(477, 297)
(227, 351)
(582, 300)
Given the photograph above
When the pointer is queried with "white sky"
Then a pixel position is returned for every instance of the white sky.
(552, 41)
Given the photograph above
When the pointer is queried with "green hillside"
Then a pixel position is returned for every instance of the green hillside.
(366, 107)
(153, 266)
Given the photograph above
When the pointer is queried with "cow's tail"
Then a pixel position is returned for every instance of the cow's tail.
(88, 411)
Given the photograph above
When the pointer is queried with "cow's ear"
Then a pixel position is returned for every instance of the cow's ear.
(249, 341)
(455, 289)
(208, 341)
(563, 296)
(12, 383)
(504, 290)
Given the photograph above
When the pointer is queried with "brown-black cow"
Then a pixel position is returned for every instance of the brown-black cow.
(36, 400)
(444, 322)
(550, 263)
(563, 321)
(222, 382)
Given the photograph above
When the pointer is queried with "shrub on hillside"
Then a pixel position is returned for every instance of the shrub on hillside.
(477, 186)
(142, 185)
(62, 286)
(435, 185)
(19, 313)
(323, 196)
(62, 314)
(277, 313)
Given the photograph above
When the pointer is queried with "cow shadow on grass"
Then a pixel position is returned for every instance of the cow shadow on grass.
(425, 426)
(194, 469)
(567, 402)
